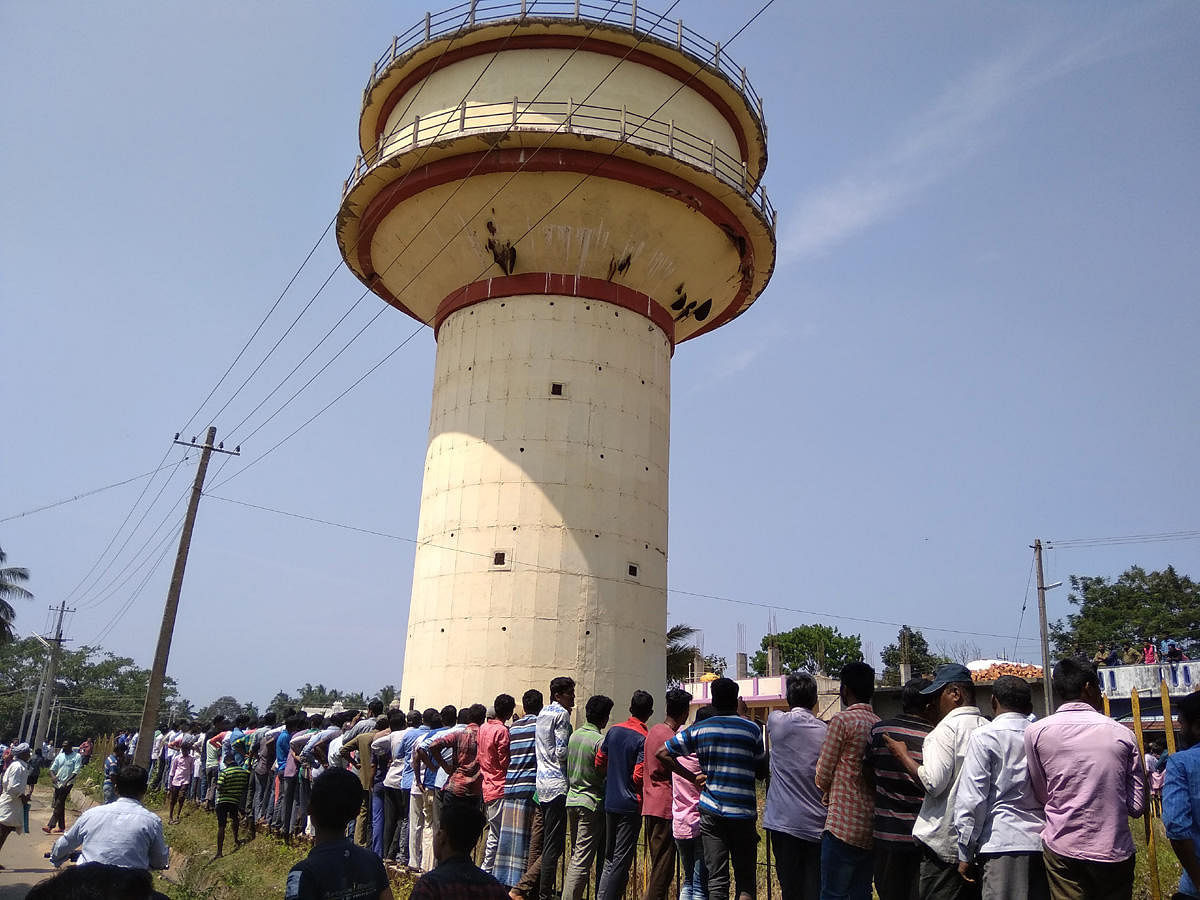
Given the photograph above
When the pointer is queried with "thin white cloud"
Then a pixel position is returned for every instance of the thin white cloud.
(936, 142)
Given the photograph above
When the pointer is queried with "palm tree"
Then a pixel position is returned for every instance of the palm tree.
(11, 578)
(681, 650)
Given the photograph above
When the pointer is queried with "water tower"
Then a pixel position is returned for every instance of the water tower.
(561, 235)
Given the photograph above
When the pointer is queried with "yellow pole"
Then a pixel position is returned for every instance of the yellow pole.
(1107, 711)
(1168, 719)
(1155, 891)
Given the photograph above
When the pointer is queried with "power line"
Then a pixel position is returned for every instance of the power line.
(1024, 603)
(1120, 540)
(91, 493)
(553, 570)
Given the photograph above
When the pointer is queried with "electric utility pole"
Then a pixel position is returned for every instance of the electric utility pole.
(158, 671)
(43, 722)
(1041, 588)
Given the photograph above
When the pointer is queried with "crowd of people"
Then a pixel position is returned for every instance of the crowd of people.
(939, 801)
(1150, 653)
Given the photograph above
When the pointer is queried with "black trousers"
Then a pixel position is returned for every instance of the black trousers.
(897, 870)
(395, 811)
(59, 813)
(620, 845)
(729, 842)
(554, 843)
(798, 864)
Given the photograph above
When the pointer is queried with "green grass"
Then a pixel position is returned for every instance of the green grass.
(1168, 865)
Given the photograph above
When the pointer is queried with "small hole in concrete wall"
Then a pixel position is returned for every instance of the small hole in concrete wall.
(468, 368)
(522, 449)
(643, 640)
(504, 628)
(647, 468)
(647, 546)
(551, 302)
(587, 307)
(588, 631)
(515, 528)
(452, 534)
(498, 558)
(599, 368)
(643, 381)
(443, 631)
(616, 315)
(597, 535)
(472, 312)
(633, 570)
(556, 388)
(602, 456)
(502, 306)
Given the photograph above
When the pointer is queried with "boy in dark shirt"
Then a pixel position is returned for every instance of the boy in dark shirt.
(456, 876)
(335, 867)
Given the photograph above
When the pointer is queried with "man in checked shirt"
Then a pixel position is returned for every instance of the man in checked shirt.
(846, 867)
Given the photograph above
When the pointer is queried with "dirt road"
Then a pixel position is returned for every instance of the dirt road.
(22, 856)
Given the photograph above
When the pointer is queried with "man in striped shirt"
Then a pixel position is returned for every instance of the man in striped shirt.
(897, 796)
(731, 754)
(517, 813)
(846, 843)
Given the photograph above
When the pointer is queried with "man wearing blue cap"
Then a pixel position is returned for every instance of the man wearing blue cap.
(943, 753)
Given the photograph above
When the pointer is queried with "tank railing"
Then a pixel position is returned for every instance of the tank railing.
(624, 13)
(569, 117)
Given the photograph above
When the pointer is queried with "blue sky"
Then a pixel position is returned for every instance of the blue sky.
(981, 328)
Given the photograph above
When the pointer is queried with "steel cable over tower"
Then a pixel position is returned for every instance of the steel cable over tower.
(549, 433)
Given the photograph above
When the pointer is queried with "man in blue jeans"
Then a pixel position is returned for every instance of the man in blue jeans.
(731, 754)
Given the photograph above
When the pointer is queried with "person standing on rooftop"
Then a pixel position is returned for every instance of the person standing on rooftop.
(794, 816)
(1087, 771)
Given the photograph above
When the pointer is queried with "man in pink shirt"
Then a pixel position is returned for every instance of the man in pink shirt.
(1087, 771)
(656, 796)
(493, 762)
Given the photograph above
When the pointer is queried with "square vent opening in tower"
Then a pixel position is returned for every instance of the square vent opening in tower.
(556, 389)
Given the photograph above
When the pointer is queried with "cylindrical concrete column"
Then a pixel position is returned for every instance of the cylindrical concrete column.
(543, 528)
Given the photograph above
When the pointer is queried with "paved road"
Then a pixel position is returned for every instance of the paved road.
(22, 856)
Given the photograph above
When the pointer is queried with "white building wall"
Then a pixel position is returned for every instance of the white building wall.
(571, 488)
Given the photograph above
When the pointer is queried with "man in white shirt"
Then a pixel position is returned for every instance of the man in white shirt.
(941, 766)
(121, 833)
(998, 819)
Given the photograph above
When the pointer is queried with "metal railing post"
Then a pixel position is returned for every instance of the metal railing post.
(471, 14)
(745, 175)
(428, 27)
(395, 45)
(623, 115)
(717, 54)
(743, 79)
(633, 16)
(514, 122)
(671, 138)
(374, 71)
(576, 9)
(416, 128)
(570, 112)
(462, 117)
(679, 34)
(522, 9)
(712, 157)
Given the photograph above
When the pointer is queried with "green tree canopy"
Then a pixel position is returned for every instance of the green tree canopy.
(11, 579)
(229, 707)
(815, 648)
(1138, 605)
(922, 660)
(681, 650)
(98, 692)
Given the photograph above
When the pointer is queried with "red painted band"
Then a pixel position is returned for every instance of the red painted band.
(488, 162)
(556, 285)
(562, 42)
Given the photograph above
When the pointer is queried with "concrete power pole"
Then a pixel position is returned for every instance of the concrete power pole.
(43, 719)
(158, 671)
(1041, 588)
